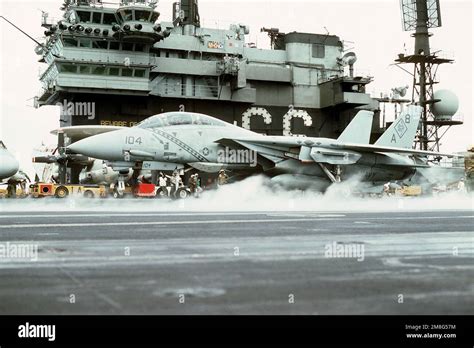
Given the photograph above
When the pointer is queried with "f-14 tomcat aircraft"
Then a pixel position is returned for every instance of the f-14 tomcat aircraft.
(181, 139)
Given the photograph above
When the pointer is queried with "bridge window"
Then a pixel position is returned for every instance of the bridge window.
(85, 43)
(96, 17)
(318, 51)
(142, 16)
(127, 15)
(140, 47)
(68, 68)
(109, 19)
(99, 44)
(154, 17)
(127, 72)
(102, 70)
(98, 70)
(114, 71)
(69, 42)
(127, 46)
(114, 45)
(139, 73)
(84, 69)
(84, 16)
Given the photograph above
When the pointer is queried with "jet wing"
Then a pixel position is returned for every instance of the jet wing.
(381, 149)
(267, 148)
(269, 152)
(272, 141)
(281, 144)
(76, 133)
(277, 149)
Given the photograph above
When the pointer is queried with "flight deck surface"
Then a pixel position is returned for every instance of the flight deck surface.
(143, 261)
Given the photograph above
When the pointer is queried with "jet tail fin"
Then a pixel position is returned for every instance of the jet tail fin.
(402, 132)
(358, 131)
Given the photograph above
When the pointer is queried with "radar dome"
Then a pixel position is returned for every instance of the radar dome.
(448, 105)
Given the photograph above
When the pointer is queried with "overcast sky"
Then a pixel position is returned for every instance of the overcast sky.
(372, 28)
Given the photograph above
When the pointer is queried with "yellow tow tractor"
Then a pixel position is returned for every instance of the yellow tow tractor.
(397, 190)
(408, 191)
(62, 191)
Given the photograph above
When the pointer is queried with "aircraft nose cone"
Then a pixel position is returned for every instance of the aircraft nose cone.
(8, 166)
(107, 146)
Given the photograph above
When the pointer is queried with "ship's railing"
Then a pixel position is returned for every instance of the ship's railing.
(458, 117)
(331, 75)
(180, 89)
(114, 3)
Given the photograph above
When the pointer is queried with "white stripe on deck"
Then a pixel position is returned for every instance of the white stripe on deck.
(316, 218)
(25, 216)
(19, 215)
(151, 223)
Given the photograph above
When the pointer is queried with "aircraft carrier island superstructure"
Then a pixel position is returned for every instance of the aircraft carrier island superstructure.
(129, 65)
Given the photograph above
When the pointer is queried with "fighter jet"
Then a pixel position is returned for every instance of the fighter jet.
(94, 171)
(180, 139)
(8, 164)
(51, 163)
(97, 172)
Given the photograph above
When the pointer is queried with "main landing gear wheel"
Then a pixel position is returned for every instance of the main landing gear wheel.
(182, 194)
(89, 194)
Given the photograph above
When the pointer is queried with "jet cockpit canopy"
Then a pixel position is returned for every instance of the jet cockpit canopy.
(180, 119)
